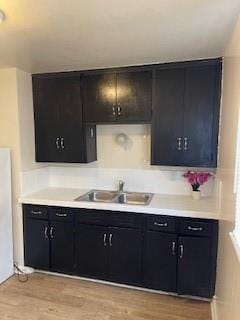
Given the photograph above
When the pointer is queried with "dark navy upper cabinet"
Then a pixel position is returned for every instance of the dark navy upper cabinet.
(186, 114)
(60, 133)
(181, 100)
(134, 96)
(125, 96)
(167, 127)
(99, 97)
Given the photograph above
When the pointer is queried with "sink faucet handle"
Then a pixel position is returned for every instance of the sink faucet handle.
(121, 185)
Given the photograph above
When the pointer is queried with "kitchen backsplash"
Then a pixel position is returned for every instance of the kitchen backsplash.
(151, 180)
(129, 162)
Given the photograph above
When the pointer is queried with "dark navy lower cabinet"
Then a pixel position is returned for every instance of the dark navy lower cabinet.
(160, 261)
(158, 252)
(49, 239)
(111, 249)
(92, 251)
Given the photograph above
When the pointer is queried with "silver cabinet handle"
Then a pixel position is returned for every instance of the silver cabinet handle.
(57, 143)
(195, 229)
(185, 147)
(113, 111)
(91, 133)
(36, 212)
(110, 239)
(61, 214)
(104, 239)
(51, 232)
(181, 251)
(119, 109)
(161, 224)
(179, 144)
(46, 232)
(173, 248)
(62, 143)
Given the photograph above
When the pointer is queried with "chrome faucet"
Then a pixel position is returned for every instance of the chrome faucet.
(120, 186)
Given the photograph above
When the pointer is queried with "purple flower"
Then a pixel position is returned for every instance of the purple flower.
(197, 178)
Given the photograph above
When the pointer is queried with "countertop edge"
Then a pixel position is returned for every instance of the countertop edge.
(122, 208)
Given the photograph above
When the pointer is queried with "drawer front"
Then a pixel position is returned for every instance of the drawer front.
(125, 220)
(196, 228)
(92, 217)
(161, 223)
(35, 211)
(61, 214)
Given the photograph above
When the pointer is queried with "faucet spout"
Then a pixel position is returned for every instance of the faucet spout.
(120, 186)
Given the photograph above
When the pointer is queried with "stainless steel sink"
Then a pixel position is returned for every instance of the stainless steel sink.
(98, 196)
(135, 198)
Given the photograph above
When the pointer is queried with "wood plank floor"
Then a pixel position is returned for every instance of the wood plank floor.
(46, 297)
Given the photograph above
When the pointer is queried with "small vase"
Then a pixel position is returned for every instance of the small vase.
(196, 195)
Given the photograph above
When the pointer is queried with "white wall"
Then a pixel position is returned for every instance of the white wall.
(16, 132)
(227, 304)
(6, 240)
(26, 121)
(9, 137)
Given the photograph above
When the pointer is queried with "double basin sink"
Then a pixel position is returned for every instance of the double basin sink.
(135, 198)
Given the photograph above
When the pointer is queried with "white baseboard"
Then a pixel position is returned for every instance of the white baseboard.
(214, 309)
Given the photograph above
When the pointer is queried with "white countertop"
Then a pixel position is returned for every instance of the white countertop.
(172, 205)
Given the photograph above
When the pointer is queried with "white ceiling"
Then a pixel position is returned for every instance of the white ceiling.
(57, 35)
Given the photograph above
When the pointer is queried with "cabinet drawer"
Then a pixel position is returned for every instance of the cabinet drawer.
(61, 214)
(92, 217)
(196, 228)
(124, 220)
(163, 224)
(35, 211)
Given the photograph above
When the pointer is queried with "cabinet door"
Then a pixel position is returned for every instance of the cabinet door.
(167, 128)
(160, 261)
(36, 244)
(71, 129)
(92, 251)
(125, 255)
(134, 96)
(194, 266)
(62, 247)
(99, 97)
(46, 115)
(201, 113)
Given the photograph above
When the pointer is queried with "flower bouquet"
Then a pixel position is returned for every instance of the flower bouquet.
(196, 179)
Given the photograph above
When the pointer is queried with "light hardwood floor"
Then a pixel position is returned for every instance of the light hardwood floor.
(46, 297)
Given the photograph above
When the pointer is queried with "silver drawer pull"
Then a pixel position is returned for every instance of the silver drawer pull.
(110, 239)
(179, 143)
(46, 232)
(181, 251)
(104, 239)
(119, 110)
(62, 143)
(185, 144)
(57, 143)
(36, 212)
(61, 214)
(173, 248)
(161, 224)
(195, 229)
(51, 233)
